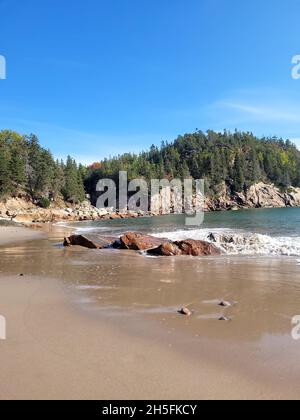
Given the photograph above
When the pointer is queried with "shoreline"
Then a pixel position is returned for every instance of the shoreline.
(95, 355)
(258, 196)
(46, 224)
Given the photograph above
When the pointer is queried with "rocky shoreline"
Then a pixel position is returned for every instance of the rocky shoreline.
(135, 241)
(260, 195)
(23, 211)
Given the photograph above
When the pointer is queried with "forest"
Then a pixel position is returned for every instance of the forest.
(238, 159)
(27, 167)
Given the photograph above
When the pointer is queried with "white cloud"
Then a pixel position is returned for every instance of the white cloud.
(263, 112)
(266, 112)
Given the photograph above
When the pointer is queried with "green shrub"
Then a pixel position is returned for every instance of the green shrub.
(44, 203)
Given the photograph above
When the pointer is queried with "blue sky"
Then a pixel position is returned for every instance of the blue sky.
(95, 78)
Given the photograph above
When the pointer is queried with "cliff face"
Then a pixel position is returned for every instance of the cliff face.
(258, 196)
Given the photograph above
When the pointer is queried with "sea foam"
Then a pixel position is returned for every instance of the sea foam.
(239, 242)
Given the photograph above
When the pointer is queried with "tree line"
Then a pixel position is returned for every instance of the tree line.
(25, 166)
(238, 159)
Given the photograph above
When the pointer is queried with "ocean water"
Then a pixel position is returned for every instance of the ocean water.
(245, 232)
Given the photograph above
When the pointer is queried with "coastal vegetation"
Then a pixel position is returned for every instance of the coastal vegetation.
(26, 167)
(238, 160)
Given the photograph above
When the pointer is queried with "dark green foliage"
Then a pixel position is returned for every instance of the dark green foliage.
(27, 167)
(44, 203)
(5, 183)
(238, 178)
(73, 190)
(239, 159)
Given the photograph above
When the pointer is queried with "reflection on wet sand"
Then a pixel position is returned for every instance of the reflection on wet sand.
(138, 292)
(266, 288)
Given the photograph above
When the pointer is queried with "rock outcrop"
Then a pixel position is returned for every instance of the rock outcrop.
(25, 212)
(260, 195)
(139, 242)
(166, 249)
(89, 241)
(187, 247)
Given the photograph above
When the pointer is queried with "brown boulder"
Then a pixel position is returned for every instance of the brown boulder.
(187, 247)
(139, 242)
(166, 249)
(197, 248)
(88, 241)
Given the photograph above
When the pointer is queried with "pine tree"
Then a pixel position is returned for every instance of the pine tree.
(17, 161)
(238, 173)
(5, 183)
(74, 188)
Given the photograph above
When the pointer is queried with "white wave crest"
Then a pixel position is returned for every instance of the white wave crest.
(240, 243)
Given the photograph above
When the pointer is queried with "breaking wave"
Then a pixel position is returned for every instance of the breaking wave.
(239, 242)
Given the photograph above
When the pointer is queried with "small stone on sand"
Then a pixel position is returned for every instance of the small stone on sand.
(185, 311)
(224, 318)
(226, 304)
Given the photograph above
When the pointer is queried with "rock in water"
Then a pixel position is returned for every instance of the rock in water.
(88, 241)
(197, 248)
(167, 249)
(185, 311)
(186, 247)
(139, 242)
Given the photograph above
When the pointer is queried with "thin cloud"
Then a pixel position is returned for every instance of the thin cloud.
(265, 112)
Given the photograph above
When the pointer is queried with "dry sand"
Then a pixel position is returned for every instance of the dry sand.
(56, 351)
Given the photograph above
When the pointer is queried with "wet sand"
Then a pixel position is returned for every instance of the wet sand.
(54, 352)
(87, 324)
(11, 234)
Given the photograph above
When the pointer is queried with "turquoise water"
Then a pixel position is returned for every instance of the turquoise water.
(246, 232)
(283, 222)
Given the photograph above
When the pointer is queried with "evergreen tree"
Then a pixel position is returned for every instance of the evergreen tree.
(5, 183)
(73, 189)
(238, 173)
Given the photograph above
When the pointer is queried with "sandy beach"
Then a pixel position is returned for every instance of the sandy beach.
(57, 350)
(12, 234)
(53, 352)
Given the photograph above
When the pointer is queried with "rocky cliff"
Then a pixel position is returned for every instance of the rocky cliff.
(25, 212)
(258, 196)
